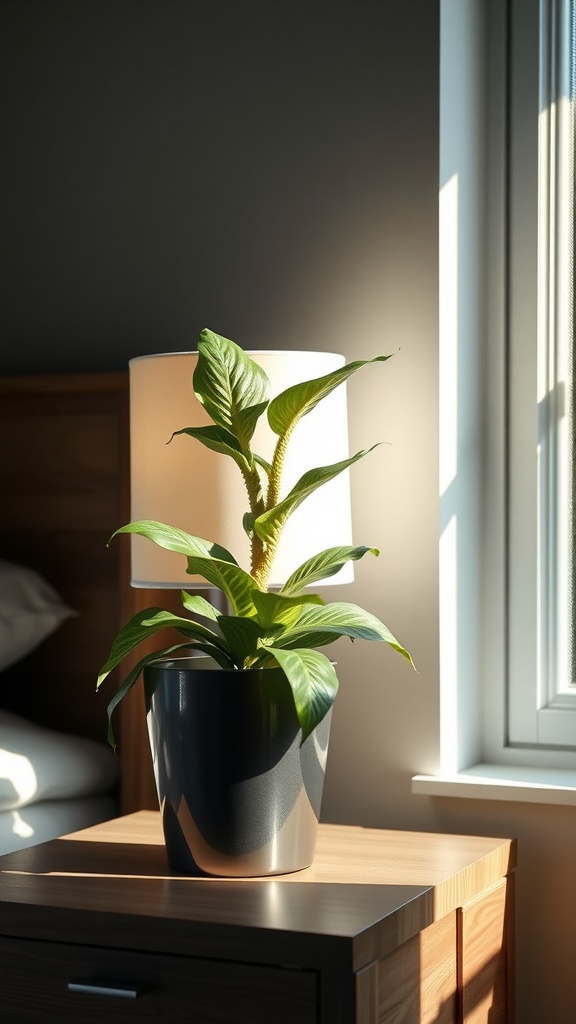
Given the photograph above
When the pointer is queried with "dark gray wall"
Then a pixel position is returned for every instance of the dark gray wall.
(174, 164)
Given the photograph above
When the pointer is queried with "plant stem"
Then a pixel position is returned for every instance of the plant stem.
(276, 471)
(257, 507)
(263, 555)
(262, 561)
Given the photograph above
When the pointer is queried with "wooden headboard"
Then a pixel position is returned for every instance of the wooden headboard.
(64, 489)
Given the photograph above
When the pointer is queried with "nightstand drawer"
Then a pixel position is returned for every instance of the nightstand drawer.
(51, 982)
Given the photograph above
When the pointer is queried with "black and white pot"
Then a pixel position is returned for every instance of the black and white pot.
(239, 794)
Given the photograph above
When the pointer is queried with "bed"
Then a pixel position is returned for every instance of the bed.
(63, 594)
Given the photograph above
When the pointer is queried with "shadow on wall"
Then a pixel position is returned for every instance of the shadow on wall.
(177, 164)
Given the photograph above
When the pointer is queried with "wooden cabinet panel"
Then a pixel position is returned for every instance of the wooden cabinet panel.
(485, 957)
(367, 994)
(34, 979)
(417, 982)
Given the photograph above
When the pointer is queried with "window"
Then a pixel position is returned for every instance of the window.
(540, 436)
(507, 479)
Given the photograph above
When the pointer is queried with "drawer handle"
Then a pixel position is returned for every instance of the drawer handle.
(103, 987)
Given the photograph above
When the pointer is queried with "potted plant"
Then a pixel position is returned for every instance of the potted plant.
(239, 726)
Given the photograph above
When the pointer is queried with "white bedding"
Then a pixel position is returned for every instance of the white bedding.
(41, 764)
(51, 783)
(50, 819)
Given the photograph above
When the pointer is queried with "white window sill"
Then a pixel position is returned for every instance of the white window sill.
(502, 782)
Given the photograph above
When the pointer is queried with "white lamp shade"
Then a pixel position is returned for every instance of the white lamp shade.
(185, 484)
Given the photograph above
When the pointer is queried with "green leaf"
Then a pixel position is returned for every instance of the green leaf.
(248, 524)
(232, 388)
(218, 440)
(145, 624)
(241, 636)
(263, 463)
(173, 539)
(313, 681)
(199, 606)
(341, 619)
(129, 681)
(324, 564)
(287, 408)
(310, 638)
(237, 584)
(188, 627)
(279, 610)
(132, 634)
(269, 524)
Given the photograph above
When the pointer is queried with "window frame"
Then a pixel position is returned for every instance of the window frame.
(541, 699)
(478, 757)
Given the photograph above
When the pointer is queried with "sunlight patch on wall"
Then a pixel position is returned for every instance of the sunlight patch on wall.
(448, 472)
(448, 333)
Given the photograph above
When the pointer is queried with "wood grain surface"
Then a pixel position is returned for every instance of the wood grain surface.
(366, 892)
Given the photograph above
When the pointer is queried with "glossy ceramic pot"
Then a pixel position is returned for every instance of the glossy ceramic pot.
(239, 794)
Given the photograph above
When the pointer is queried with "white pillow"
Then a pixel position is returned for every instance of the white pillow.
(30, 610)
(40, 764)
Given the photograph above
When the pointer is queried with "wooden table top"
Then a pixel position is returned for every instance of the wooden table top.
(367, 891)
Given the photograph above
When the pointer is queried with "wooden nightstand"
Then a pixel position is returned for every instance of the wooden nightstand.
(387, 927)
